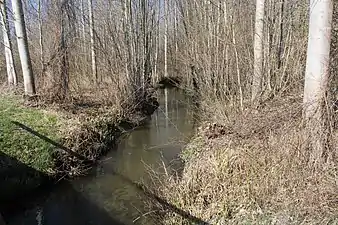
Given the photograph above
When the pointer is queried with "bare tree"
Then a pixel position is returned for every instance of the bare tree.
(157, 42)
(316, 75)
(205, 42)
(83, 24)
(42, 58)
(11, 72)
(20, 28)
(166, 38)
(92, 39)
(258, 50)
(281, 33)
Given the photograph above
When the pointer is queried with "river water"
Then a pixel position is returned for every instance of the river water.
(108, 196)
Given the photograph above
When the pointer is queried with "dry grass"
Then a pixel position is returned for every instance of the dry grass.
(83, 124)
(92, 133)
(94, 126)
(253, 170)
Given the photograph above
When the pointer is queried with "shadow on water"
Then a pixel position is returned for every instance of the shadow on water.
(114, 193)
(22, 189)
(17, 179)
(77, 211)
(165, 204)
(72, 208)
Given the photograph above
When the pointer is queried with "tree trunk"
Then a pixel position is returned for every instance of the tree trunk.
(157, 42)
(92, 39)
(26, 64)
(63, 51)
(258, 50)
(165, 39)
(83, 24)
(316, 76)
(42, 59)
(239, 83)
(11, 72)
(281, 34)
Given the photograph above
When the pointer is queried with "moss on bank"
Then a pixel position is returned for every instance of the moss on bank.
(253, 170)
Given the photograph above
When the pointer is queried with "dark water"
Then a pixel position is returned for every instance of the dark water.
(109, 196)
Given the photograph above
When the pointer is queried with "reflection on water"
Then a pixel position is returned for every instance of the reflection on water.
(107, 198)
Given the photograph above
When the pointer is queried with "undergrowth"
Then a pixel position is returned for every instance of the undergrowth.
(84, 125)
(88, 130)
(253, 169)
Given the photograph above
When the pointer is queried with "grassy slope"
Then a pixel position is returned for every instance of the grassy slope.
(253, 170)
(89, 130)
(20, 144)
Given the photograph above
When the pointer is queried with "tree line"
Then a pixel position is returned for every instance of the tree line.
(239, 51)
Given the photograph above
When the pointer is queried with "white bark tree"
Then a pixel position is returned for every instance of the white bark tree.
(83, 25)
(165, 38)
(281, 34)
(316, 75)
(22, 41)
(11, 72)
(157, 43)
(42, 58)
(258, 50)
(92, 39)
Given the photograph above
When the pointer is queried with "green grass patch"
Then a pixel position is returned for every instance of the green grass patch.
(21, 145)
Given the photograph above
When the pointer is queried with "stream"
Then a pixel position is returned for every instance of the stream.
(108, 196)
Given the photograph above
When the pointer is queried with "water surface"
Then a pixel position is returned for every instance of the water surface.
(108, 196)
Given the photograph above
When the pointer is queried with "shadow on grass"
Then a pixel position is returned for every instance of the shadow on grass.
(22, 188)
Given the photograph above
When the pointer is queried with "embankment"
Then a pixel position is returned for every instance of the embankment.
(28, 162)
(252, 169)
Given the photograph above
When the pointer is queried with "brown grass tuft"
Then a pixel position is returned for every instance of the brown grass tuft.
(254, 173)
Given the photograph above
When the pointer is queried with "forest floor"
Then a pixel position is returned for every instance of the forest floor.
(251, 168)
(87, 128)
